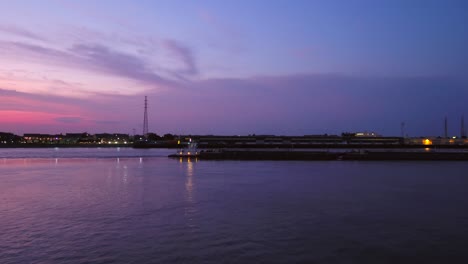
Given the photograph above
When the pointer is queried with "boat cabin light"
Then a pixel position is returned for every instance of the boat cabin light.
(427, 141)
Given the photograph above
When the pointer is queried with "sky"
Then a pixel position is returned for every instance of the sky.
(234, 67)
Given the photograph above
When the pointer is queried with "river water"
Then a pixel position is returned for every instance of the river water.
(138, 206)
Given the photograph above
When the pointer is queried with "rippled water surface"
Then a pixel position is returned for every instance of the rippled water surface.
(141, 207)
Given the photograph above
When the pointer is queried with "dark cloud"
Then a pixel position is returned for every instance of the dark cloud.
(69, 119)
(117, 63)
(14, 100)
(326, 103)
(26, 50)
(106, 122)
(7, 92)
(184, 54)
(40, 97)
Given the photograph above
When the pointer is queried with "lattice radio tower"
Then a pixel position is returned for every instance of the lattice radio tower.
(145, 118)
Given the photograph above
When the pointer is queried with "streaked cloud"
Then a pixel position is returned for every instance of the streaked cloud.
(184, 54)
(69, 119)
(117, 63)
(106, 122)
(100, 59)
(21, 32)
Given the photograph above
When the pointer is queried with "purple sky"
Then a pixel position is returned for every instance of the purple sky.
(233, 67)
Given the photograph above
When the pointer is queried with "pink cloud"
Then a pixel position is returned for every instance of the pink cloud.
(97, 58)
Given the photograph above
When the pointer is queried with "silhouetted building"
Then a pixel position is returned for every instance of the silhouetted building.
(106, 138)
(366, 134)
(9, 138)
(42, 138)
(75, 138)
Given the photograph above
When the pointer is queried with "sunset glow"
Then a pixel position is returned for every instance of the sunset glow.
(308, 67)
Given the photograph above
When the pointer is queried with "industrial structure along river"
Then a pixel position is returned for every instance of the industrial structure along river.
(346, 147)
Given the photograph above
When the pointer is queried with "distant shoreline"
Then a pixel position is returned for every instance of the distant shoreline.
(240, 146)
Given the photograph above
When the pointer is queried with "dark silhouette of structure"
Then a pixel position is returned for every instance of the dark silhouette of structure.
(402, 128)
(445, 128)
(145, 118)
(463, 132)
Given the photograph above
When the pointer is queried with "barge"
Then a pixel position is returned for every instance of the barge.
(229, 154)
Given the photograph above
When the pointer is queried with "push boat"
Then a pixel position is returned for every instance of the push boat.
(190, 151)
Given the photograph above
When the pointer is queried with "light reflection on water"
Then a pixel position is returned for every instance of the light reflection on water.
(32, 153)
(159, 210)
(191, 206)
